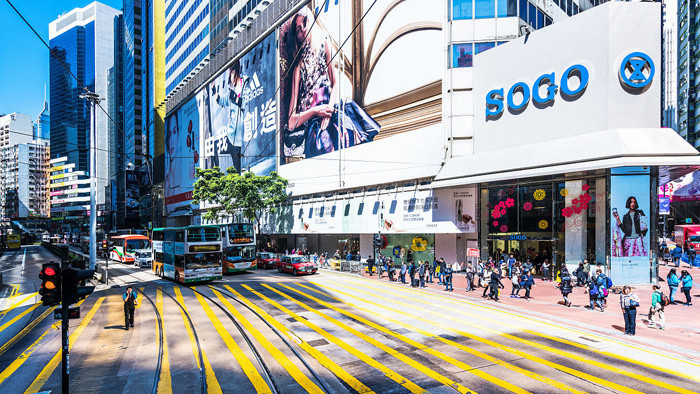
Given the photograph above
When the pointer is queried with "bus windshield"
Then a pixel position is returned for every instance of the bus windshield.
(240, 230)
(202, 260)
(134, 244)
(240, 253)
(695, 239)
(203, 234)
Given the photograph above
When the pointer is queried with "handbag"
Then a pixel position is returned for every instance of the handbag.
(634, 304)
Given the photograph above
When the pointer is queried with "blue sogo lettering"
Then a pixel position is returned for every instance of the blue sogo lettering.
(551, 89)
(526, 96)
(491, 102)
(583, 75)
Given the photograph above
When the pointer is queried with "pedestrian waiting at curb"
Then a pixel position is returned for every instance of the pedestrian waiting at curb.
(546, 266)
(565, 286)
(392, 270)
(686, 285)
(421, 273)
(672, 281)
(447, 278)
(402, 273)
(629, 303)
(412, 273)
(470, 276)
(657, 317)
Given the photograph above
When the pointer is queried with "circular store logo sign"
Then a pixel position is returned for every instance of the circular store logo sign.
(637, 70)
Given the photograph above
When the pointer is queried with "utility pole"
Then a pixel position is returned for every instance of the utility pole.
(94, 99)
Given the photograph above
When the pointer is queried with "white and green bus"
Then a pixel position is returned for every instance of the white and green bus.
(191, 254)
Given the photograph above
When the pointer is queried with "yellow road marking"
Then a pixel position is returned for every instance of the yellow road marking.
(322, 358)
(281, 358)
(248, 368)
(25, 330)
(460, 346)
(165, 384)
(23, 300)
(21, 315)
(414, 388)
(531, 319)
(46, 372)
(22, 358)
(400, 356)
(550, 349)
(212, 383)
(435, 375)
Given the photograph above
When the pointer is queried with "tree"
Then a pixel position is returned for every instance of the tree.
(231, 193)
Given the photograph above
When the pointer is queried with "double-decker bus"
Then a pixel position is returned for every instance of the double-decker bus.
(157, 237)
(238, 241)
(191, 254)
(125, 246)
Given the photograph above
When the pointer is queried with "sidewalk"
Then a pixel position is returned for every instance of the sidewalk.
(681, 337)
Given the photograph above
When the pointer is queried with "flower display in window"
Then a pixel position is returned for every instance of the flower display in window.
(577, 209)
(543, 224)
(495, 223)
(567, 212)
(564, 192)
(419, 244)
(504, 228)
(527, 206)
(539, 194)
(510, 202)
(585, 188)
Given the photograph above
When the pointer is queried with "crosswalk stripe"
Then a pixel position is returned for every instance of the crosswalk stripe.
(388, 372)
(277, 354)
(398, 355)
(320, 357)
(248, 368)
(46, 372)
(494, 360)
(212, 383)
(165, 384)
(420, 346)
(550, 349)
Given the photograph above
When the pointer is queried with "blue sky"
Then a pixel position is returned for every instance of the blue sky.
(24, 60)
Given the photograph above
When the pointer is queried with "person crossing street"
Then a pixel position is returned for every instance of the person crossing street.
(130, 302)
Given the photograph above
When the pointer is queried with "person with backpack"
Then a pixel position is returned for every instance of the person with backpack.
(673, 282)
(657, 318)
(603, 283)
(565, 286)
(629, 303)
(494, 284)
(686, 285)
(595, 296)
(526, 282)
(447, 278)
(676, 254)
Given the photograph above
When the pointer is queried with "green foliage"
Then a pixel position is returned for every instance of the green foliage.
(231, 193)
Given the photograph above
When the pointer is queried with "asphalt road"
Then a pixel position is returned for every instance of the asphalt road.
(269, 332)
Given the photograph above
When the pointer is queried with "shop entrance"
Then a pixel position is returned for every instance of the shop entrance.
(523, 248)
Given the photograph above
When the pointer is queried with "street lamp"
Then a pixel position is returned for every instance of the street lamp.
(94, 99)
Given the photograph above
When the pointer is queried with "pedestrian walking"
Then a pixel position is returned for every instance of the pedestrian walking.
(486, 280)
(676, 254)
(447, 278)
(438, 271)
(673, 282)
(604, 283)
(421, 273)
(629, 303)
(526, 282)
(515, 281)
(657, 317)
(595, 297)
(565, 286)
(586, 270)
(686, 285)
(470, 276)
(392, 270)
(494, 285)
(370, 264)
(130, 302)
(402, 273)
(511, 262)
(581, 276)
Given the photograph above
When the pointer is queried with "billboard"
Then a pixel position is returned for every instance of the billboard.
(387, 68)
(629, 228)
(685, 188)
(181, 155)
(132, 194)
(239, 113)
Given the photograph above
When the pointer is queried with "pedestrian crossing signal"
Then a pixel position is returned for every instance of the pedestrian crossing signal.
(50, 290)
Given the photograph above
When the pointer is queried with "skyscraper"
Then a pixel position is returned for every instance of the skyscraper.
(687, 63)
(186, 38)
(43, 122)
(83, 41)
(116, 102)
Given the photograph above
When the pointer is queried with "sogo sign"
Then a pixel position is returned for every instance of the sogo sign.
(494, 98)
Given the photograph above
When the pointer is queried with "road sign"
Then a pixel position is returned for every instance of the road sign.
(73, 313)
(472, 252)
(664, 205)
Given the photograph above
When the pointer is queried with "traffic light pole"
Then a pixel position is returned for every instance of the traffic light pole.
(65, 366)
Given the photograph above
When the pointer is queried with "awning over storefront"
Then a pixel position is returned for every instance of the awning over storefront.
(181, 211)
(600, 150)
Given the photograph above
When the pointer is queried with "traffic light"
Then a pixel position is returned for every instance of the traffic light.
(72, 290)
(378, 241)
(50, 276)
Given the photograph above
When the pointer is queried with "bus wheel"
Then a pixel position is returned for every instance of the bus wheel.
(295, 273)
(279, 269)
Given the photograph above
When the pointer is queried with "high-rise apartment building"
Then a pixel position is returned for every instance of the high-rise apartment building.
(186, 39)
(70, 196)
(23, 170)
(117, 129)
(687, 56)
(83, 41)
(669, 92)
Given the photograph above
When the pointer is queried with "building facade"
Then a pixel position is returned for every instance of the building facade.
(23, 170)
(43, 123)
(70, 197)
(83, 41)
(687, 64)
(186, 39)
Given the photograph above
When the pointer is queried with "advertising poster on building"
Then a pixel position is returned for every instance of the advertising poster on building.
(132, 194)
(629, 228)
(239, 114)
(181, 155)
(387, 72)
(685, 188)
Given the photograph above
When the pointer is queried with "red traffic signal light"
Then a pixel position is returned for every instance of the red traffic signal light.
(50, 290)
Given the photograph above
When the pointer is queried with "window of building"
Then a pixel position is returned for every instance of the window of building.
(462, 55)
(461, 9)
(532, 15)
(483, 46)
(507, 8)
(484, 9)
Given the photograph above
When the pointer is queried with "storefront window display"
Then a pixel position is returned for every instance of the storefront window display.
(410, 247)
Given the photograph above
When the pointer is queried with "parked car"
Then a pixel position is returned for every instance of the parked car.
(267, 260)
(296, 265)
(143, 258)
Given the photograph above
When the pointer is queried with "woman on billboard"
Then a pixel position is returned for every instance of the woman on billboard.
(314, 101)
(631, 230)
